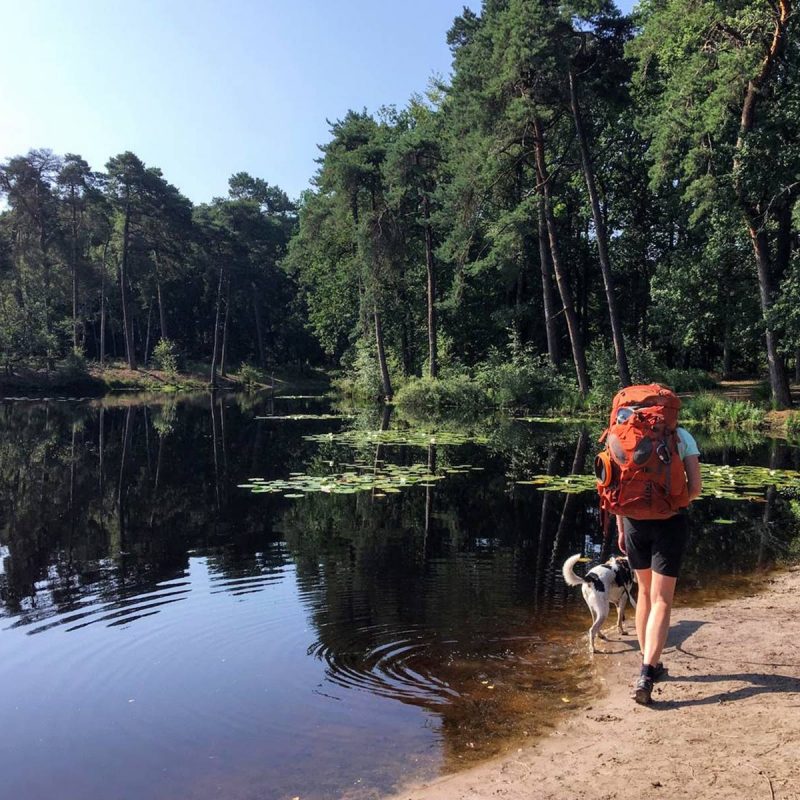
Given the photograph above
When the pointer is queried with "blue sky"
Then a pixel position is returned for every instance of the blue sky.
(202, 88)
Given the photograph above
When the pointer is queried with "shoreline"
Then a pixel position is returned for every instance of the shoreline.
(725, 723)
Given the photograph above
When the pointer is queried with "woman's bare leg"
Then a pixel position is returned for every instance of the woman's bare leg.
(661, 594)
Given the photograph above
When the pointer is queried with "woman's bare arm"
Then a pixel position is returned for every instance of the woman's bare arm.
(695, 482)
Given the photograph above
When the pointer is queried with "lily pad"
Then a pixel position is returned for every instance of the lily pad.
(726, 482)
(410, 438)
(303, 417)
(380, 478)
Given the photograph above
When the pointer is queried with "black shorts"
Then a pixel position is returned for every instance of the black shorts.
(657, 544)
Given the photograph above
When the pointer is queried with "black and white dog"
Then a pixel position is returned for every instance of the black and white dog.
(607, 583)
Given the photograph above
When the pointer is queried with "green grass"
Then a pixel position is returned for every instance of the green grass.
(717, 412)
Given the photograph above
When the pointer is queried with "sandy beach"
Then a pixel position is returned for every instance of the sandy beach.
(725, 723)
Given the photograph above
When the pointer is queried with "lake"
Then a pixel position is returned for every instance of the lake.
(192, 607)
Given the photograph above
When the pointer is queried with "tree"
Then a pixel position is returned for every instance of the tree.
(599, 50)
(730, 68)
(26, 182)
(413, 167)
(126, 186)
(77, 185)
(352, 170)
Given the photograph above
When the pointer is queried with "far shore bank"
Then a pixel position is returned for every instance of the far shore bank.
(96, 382)
(725, 722)
(745, 409)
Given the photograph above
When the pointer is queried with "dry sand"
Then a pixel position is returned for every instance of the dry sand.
(725, 723)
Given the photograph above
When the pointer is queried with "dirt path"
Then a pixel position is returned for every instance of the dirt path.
(725, 724)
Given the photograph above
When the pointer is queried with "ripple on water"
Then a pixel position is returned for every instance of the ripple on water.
(97, 608)
(393, 669)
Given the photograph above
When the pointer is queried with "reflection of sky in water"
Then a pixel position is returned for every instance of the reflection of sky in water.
(163, 633)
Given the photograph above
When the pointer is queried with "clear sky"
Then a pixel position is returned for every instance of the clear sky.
(205, 88)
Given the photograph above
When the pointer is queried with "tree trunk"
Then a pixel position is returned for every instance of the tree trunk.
(103, 309)
(146, 355)
(162, 316)
(777, 370)
(548, 298)
(224, 355)
(727, 350)
(215, 351)
(74, 260)
(433, 366)
(385, 379)
(578, 353)
(601, 236)
(259, 329)
(127, 319)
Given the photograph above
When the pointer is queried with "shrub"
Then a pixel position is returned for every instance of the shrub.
(166, 356)
(456, 391)
(75, 364)
(524, 378)
(251, 375)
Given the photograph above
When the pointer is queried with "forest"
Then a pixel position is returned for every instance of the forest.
(589, 199)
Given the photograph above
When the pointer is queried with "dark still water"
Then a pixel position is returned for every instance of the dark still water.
(165, 633)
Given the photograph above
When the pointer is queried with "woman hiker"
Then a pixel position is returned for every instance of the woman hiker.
(655, 549)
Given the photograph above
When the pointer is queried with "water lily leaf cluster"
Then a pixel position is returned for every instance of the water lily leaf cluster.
(379, 477)
(304, 417)
(557, 420)
(726, 482)
(411, 438)
(745, 482)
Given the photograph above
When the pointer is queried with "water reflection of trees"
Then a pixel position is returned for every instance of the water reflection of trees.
(108, 501)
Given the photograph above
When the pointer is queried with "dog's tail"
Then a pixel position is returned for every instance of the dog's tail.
(569, 573)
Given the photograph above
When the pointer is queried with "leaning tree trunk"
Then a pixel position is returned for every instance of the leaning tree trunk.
(385, 379)
(600, 235)
(433, 366)
(578, 352)
(753, 217)
(548, 298)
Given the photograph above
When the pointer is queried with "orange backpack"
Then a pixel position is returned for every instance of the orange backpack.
(640, 473)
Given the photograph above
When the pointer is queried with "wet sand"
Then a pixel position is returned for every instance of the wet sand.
(725, 723)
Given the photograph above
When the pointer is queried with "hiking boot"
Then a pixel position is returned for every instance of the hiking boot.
(642, 694)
